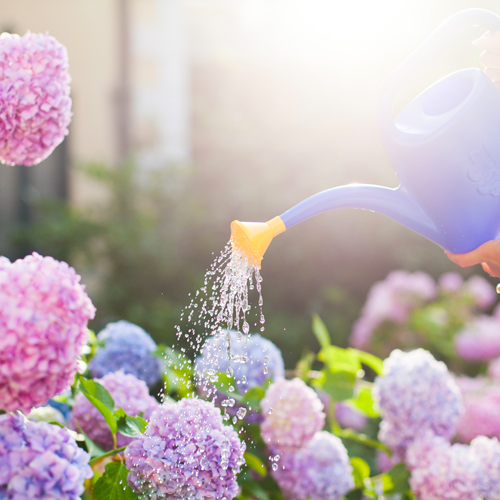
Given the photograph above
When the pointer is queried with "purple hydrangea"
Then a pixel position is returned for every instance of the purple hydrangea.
(127, 347)
(482, 292)
(479, 340)
(44, 312)
(440, 471)
(319, 471)
(392, 300)
(450, 282)
(35, 103)
(293, 413)
(128, 392)
(415, 393)
(40, 461)
(186, 452)
(254, 359)
(488, 453)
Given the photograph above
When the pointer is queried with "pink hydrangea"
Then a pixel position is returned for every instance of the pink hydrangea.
(440, 471)
(392, 300)
(494, 369)
(348, 417)
(44, 312)
(488, 452)
(481, 398)
(415, 394)
(35, 103)
(128, 392)
(479, 340)
(482, 291)
(318, 471)
(293, 413)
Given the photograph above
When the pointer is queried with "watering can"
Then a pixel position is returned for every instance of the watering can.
(444, 147)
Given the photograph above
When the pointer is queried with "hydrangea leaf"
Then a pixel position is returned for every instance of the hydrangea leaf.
(396, 480)
(375, 363)
(255, 464)
(101, 399)
(364, 402)
(254, 396)
(112, 485)
(340, 360)
(361, 471)
(339, 385)
(128, 425)
(320, 331)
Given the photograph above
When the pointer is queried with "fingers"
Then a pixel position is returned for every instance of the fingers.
(489, 42)
(491, 270)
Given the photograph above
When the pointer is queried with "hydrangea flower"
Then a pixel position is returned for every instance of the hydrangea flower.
(392, 300)
(488, 453)
(185, 452)
(482, 291)
(128, 392)
(319, 471)
(35, 103)
(254, 359)
(415, 393)
(293, 413)
(481, 397)
(440, 471)
(44, 312)
(479, 340)
(127, 347)
(40, 461)
(348, 417)
(450, 282)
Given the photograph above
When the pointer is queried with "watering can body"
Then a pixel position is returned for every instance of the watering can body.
(444, 147)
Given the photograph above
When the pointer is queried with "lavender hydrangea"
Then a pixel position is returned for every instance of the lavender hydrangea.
(44, 312)
(127, 347)
(254, 359)
(319, 471)
(40, 461)
(480, 339)
(440, 471)
(488, 453)
(128, 392)
(35, 103)
(293, 413)
(186, 452)
(414, 394)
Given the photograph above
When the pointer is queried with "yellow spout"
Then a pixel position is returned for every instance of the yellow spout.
(253, 238)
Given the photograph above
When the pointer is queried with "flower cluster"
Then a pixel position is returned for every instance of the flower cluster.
(127, 347)
(416, 393)
(40, 461)
(35, 103)
(128, 392)
(254, 359)
(186, 452)
(44, 312)
(481, 397)
(293, 413)
(480, 339)
(318, 471)
(392, 300)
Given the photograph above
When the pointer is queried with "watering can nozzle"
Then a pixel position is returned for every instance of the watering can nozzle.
(253, 238)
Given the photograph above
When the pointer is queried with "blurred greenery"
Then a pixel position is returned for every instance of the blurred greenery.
(145, 247)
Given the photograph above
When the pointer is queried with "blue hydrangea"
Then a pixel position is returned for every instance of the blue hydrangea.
(129, 348)
(40, 461)
(254, 359)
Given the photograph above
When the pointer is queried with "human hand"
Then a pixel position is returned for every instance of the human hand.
(490, 58)
(488, 255)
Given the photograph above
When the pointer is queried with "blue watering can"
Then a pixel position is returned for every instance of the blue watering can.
(444, 147)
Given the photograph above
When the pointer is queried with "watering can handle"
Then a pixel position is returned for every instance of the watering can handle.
(419, 58)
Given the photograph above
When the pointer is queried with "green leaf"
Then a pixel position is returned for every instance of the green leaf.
(338, 385)
(340, 360)
(396, 480)
(112, 485)
(361, 471)
(128, 425)
(320, 331)
(364, 402)
(376, 364)
(255, 464)
(101, 399)
(253, 397)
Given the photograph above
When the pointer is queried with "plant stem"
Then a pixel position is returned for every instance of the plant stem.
(107, 454)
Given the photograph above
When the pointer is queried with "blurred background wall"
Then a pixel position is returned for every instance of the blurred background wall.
(191, 113)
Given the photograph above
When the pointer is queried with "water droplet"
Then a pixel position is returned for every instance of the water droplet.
(265, 370)
(243, 379)
(235, 420)
(275, 466)
(241, 413)
(229, 372)
(246, 328)
(270, 411)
